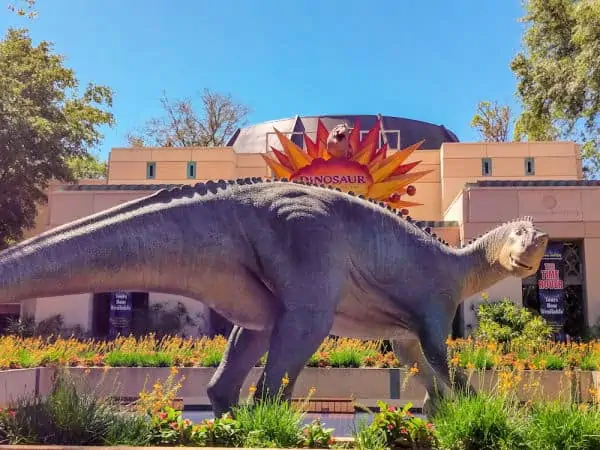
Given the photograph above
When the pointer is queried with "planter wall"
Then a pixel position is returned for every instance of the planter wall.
(365, 385)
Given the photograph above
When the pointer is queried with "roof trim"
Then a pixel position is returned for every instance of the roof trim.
(532, 183)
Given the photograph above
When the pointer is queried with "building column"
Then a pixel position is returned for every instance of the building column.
(591, 253)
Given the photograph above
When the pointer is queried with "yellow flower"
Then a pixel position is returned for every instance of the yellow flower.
(312, 390)
(470, 366)
(252, 389)
(174, 371)
(285, 380)
(414, 369)
(485, 296)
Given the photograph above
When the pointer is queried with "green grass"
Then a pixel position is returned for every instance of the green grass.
(560, 426)
(480, 422)
(212, 358)
(269, 423)
(118, 358)
(367, 437)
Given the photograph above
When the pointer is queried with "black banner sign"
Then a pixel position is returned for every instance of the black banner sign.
(120, 314)
(550, 280)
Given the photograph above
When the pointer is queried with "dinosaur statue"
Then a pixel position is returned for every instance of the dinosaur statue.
(287, 263)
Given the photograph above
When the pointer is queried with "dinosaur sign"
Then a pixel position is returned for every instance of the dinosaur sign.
(342, 159)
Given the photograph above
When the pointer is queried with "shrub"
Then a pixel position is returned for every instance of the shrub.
(502, 321)
(69, 417)
(402, 429)
(480, 422)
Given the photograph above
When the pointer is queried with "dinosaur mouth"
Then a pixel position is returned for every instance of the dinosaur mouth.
(517, 263)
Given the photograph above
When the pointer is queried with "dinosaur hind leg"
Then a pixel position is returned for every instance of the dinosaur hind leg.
(244, 348)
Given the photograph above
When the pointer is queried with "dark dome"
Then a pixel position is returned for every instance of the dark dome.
(400, 132)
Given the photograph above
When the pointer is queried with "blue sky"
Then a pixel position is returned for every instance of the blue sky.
(430, 61)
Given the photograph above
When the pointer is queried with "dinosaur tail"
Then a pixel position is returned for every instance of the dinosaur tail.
(101, 252)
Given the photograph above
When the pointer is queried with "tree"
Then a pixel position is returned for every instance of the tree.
(182, 127)
(87, 166)
(24, 8)
(492, 121)
(44, 122)
(559, 76)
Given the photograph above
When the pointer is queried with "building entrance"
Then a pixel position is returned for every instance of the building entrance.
(574, 289)
(119, 313)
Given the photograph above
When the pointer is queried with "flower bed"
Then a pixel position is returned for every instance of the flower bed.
(469, 353)
(69, 416)
(343, 353)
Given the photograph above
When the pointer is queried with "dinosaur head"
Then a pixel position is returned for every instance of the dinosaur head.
(521, 248)
(337, 141)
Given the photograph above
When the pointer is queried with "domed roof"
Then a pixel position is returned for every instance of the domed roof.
(400, 132)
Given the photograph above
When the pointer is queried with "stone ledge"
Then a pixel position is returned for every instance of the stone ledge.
(97, 447)
(364, 386)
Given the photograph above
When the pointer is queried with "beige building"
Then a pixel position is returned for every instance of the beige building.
(471, 188)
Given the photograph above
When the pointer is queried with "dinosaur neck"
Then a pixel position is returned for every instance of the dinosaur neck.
(101, 257)
(480, 263)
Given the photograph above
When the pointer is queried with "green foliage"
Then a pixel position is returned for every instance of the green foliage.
(395, 428)
(44, 122)
(168, 427)
(560, 426)
(558, 76)
(52, 327)
(369, 438)
(87, 167)
(270, 422)
(119, 358)
(70, 417)
(480, 422)
(402, 429)
(492, 121)
(502, 321)
(315, 436)
(163, 320)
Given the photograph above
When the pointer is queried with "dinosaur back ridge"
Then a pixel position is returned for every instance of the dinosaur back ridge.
(214, 187)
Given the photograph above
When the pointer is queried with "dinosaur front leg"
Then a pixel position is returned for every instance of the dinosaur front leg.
(433, 344)
(244, 348)
(409, 351)
(296, 337)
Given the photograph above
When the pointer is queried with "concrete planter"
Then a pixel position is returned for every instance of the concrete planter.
(542, 384)
(365, 385)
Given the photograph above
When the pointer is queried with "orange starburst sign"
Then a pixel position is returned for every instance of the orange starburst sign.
(365, 169)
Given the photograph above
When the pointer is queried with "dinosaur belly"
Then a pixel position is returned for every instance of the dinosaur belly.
(363, 328)
(363, 315)
(238, 297)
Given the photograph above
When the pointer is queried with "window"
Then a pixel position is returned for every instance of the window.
(486, 166)
(191, 170)
(151, 170)
(392, 136)
(529, 166)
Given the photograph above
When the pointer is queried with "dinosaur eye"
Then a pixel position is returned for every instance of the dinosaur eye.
(519, 232)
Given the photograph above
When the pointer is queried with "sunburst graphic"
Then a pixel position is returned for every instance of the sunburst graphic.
(364, 168)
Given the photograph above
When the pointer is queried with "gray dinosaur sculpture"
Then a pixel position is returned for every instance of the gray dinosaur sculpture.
(287, 263)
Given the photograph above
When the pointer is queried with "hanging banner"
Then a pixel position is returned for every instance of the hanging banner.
(550, 279)
(121, 308)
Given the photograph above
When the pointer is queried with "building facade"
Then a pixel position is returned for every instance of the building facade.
(468, 189)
